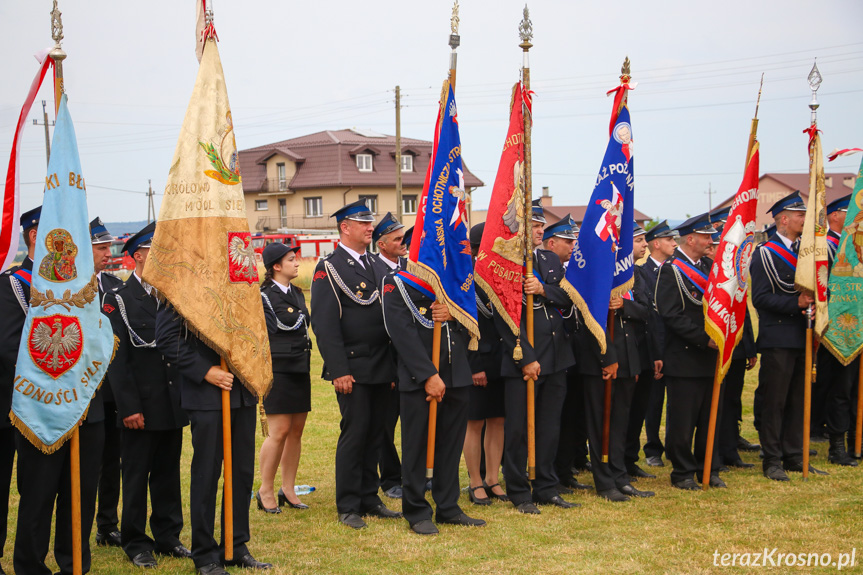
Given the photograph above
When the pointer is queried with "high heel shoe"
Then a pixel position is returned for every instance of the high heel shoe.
(489, 489)
(274, 510)
(283, 500)
(478, 500)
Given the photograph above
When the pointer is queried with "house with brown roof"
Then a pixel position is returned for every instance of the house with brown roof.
(298, 183)
(772, 187)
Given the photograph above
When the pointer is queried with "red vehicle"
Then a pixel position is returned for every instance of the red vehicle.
(120, 260)
(259, 242)
(311, 245)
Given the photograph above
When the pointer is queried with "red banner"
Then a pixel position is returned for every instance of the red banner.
(500, 261)
(728, 284)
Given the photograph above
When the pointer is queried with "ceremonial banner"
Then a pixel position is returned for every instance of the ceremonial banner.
(728, 284)
(66, 344)
(201, 259)
(812, 259)
(500, 260)
(11, 208)
(844, 336)
(601, 263)
(440, 251)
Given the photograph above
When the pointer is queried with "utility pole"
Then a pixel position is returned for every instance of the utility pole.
(709, 193)
(47, 135)
(398, 154)
(151, 210)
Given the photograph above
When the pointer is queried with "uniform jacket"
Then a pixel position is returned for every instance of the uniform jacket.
(489, 356)
(109, 283)
(350, 328)
(629, 323)
(552, 348)
(678, 302)
(194, 359)
(287, 319)
(413, 340)
(781, 322)
(649, 274)
(142, 380)
(14, 300)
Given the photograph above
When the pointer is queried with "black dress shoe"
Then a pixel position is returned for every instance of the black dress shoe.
(352, 520)
(686, 484)
(798, 468)
(144, 559)
(489, 490)
(111, 539)
(655, 461)
(248, 562)
(424, 527)
(636, 471)
(394, 492)
(180, 551)
(776, 473)
(383, 512)
(716, 481)
(478, 500)
(563, 489)
(633, 492)
(272, 510)
(740, 464)
(527, 508)
(574, 483)
(558, 501)
(723, 469)
(744, 445)
(462, 519)
(212, 569)
(613, 495)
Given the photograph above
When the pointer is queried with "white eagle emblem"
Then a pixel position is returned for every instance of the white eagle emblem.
(57, 343)
(243, 257)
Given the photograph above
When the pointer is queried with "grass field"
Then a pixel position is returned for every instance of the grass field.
(674, 532)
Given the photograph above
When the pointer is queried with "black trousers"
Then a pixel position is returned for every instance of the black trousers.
(390, 466)
(612, 474)
(7, 457)
(837, 416)
(780, 379)
(829, 369)
(359, 446)
(687, 418)
(44, 480)
(151, 459)
(549, 392)
(732, 411)
(653, 419)
(107, 519)
(571, 447)
(637, 413)
(204, 488)
(449, 441)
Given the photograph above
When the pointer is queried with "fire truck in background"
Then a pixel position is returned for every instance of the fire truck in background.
(312, 243)
(120, 263)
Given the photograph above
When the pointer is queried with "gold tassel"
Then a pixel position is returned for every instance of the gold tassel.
(517, 355)
(265, 429)
(473, 345)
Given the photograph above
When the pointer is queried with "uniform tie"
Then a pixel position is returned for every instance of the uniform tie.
(795, 245)
(364, 259)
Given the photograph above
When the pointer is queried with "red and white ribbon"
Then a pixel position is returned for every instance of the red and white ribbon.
(846, 152)
(11, 196)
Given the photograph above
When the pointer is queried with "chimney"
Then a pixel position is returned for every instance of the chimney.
(546, 198)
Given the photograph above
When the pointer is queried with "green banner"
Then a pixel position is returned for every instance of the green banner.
(844, 336)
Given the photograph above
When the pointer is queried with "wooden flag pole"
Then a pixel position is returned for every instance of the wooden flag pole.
(454, 41)
(525, 30)
(58, 55)
(859, 431)
(717, 382)
(606, 406)
(228, 459)
(809, 375)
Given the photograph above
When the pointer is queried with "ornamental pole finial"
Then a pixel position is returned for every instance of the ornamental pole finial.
(814, 79)
(454, 38)
(624, 71)
(57, 54)
(525, 30)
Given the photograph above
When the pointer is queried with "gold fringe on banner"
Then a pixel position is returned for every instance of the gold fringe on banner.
(591, 323)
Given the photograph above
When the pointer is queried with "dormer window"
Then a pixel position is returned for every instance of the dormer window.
(364, 162)
(407, 163)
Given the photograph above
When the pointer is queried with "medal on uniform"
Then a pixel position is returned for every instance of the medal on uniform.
(359, 294)
(363, 285)
(290, 310)
(423, 311)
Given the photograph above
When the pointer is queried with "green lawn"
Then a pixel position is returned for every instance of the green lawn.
(674, 532)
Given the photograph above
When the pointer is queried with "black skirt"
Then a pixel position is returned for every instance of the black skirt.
(486, 402)
(291, 393)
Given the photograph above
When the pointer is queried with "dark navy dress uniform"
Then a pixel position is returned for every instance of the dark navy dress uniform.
(412, 339)
(653, 447)
(486, 402)
(202, 402)
(144, 382)
(689, 365)
(728, 427)
(553, 351)
(781, 342)
(348, 322)
(291, 350)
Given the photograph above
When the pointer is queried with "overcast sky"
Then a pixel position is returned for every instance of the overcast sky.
(294, 68)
